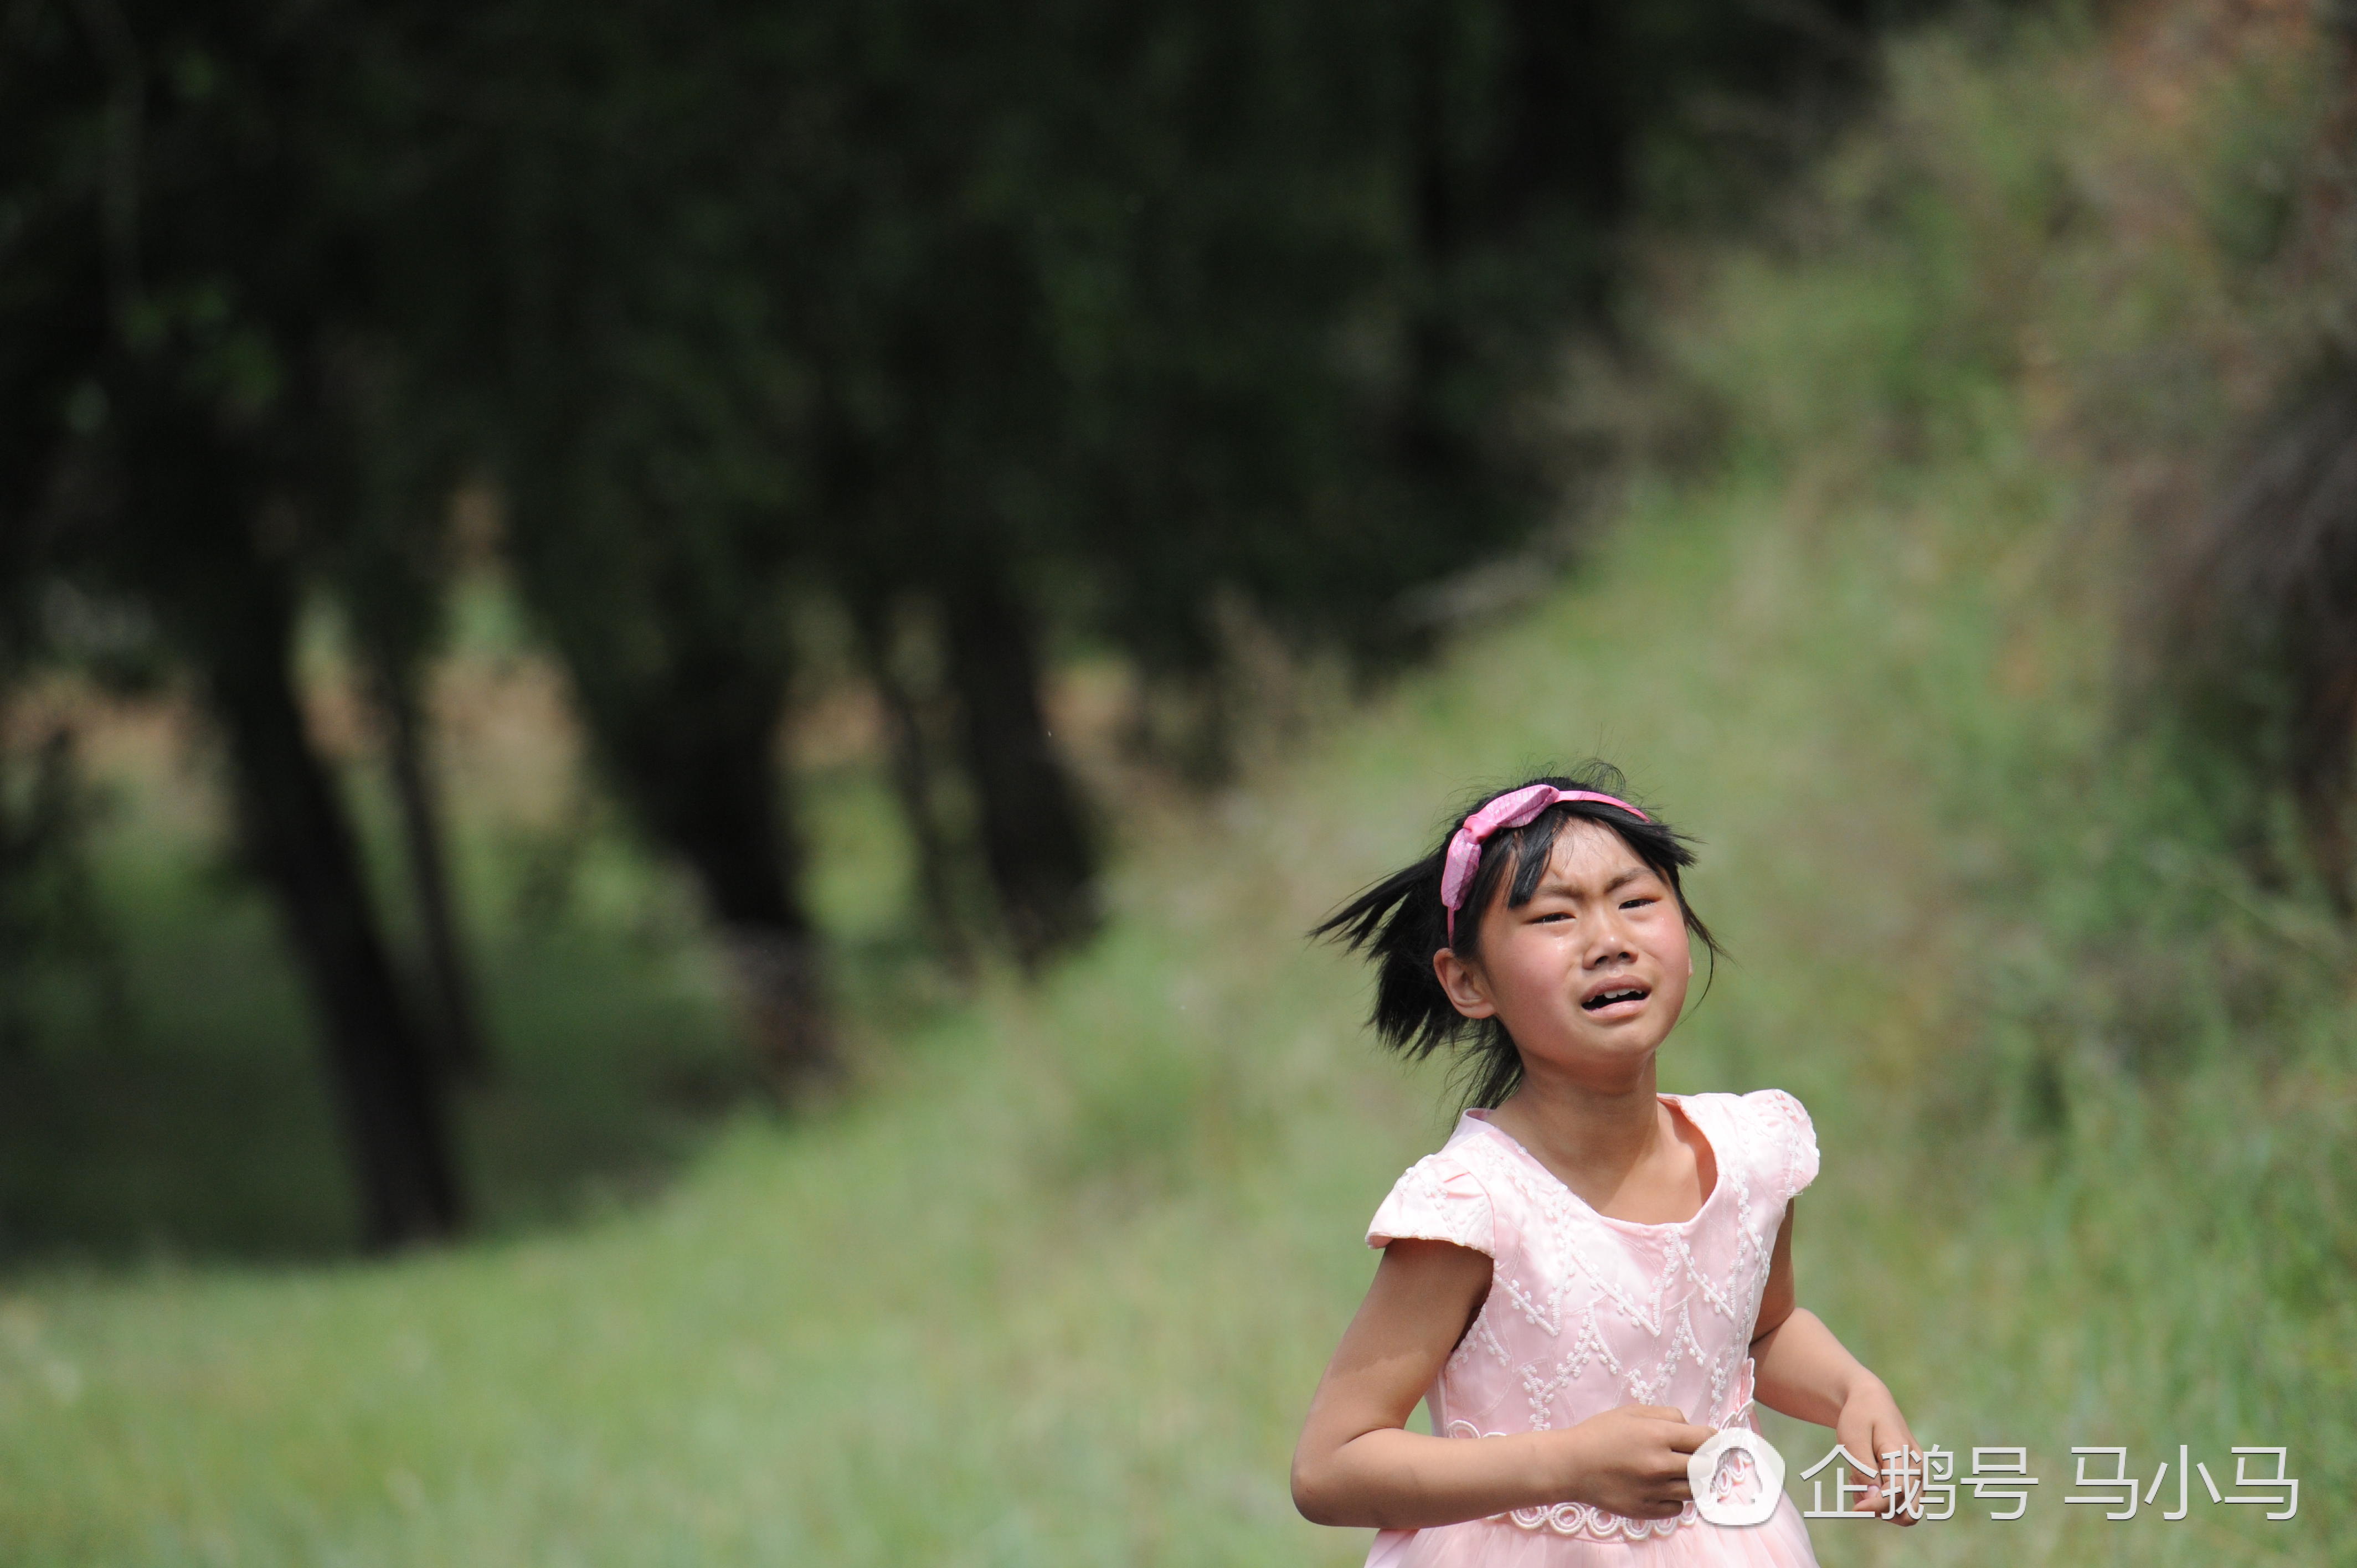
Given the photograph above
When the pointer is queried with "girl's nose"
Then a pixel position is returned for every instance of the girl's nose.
(1609, 939)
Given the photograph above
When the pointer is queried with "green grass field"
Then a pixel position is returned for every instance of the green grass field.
(1053, 1284)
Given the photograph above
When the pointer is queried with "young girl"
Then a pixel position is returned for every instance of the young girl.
(1591, 1276)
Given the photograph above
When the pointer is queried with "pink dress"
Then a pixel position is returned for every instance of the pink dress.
(1585, 1313)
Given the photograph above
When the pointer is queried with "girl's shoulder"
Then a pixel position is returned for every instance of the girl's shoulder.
(1773, 1127)
(1441, 1197)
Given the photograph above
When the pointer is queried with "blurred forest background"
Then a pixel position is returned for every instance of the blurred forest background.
(674, 687)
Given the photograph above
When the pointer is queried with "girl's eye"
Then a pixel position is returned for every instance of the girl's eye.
(1638, 903)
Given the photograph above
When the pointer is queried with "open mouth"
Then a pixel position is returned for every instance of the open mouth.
(1618, 994)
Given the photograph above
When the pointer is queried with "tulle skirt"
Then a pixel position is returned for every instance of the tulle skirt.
(1782, 1541)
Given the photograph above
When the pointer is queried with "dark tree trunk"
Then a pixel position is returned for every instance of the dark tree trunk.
(913, 782)
(386, 1087)
(449, 987)
(696, 751)
(1034, 842)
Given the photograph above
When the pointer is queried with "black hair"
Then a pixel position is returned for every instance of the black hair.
(1399, 923)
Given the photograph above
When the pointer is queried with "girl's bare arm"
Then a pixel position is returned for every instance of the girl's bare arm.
(1358, 1464)
(1800, 1369)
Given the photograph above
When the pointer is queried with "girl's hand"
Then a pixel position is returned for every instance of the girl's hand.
(1869, 1426)
(1802, 1369)
(1631, 1461)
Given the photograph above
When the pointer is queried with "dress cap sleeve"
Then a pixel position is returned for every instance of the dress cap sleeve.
(1438, 1199)
(1792, 1136)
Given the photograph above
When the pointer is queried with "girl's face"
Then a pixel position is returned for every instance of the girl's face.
(1588, 977)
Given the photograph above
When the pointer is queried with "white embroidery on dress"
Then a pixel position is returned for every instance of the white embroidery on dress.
(1421, 1206)
(1623, 1298)
(1489, 1340)
(1590, 1346)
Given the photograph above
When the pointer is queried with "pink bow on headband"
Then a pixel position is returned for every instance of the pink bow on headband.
(1509, 811)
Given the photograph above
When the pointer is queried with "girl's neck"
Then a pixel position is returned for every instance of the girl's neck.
(1591, 1135)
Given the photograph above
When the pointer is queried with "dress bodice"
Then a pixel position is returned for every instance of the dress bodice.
(1586, 1313)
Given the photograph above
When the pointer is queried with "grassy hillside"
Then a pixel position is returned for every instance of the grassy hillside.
(1052, 1287)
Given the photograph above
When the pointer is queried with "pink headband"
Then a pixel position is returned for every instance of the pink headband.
(1508, 811)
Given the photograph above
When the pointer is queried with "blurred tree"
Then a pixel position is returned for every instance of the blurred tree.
(942, 406)
(1331, 263)
(647, 408)
(1153, 306)
(882, 639)
(1034, 322)
(387, 562)
(785, 334)
(1035, 843)
(195, 219)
